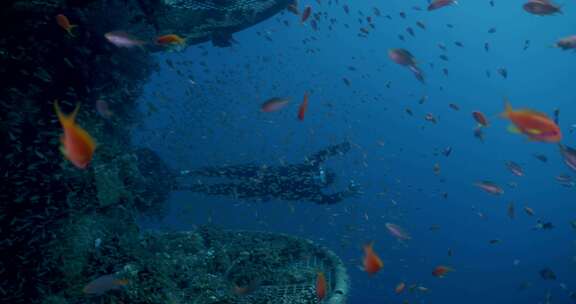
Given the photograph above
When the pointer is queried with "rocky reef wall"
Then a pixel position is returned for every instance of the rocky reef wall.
(51, 212)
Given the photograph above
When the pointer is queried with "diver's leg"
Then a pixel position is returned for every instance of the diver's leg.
(322, 155)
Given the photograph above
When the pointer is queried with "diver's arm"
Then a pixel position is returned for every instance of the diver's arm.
(323, 155)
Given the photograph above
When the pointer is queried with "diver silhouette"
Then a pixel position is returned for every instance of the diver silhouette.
(293, 182)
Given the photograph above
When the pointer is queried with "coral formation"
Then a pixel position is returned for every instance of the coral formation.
(63, 227)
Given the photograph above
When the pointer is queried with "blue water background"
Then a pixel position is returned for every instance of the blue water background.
(217, 121)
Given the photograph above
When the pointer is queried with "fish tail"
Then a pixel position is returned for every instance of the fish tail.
(61, 117)
(121, 282)
(69, 30)
(64, 119)
(75, 112)
(368, 246)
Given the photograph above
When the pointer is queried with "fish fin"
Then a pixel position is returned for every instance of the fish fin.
(369, 245)
(75, 113)
(534, 131)
(121, 282)
(69, 30)
(63, 151)
(535, 113)
(507, 108)
(514, 129)
(64, 120)
(86, 138)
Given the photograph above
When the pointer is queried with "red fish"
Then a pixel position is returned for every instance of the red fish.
(170, 39)
(372, 263)
(303, 107)
(64, 23)
(537, 126)
(320, 286)
(480, 118)
(306, 14)
(77, 145)
(441, 271)
(400, 288)
(246, 290)
(436, 4)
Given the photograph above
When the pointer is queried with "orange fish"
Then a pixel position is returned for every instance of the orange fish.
(441, 271)
(480, 118)
(320, 286)
(400, 288)
(104, 284)
(245, 290)
(64, 23)
(537, 126)
(303, 107)
(77, 145)
(306, 14)
(372, 263)
(170, 39)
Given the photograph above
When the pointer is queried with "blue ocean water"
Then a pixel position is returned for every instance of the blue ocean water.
(215, 120)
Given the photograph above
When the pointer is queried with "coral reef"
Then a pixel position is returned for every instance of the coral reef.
(62, 227)
(41, 192)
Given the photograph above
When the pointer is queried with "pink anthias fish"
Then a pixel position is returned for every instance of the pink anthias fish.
(436, 4)
(568, 43)
(103, 109)
(490, 187)
(542, 7)
(104, 284)
(405, 58)
(514, 168)
(397, 231)
(565, 180)
(123, 39)
(273, 104)
(569, 156)
(402, 57)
